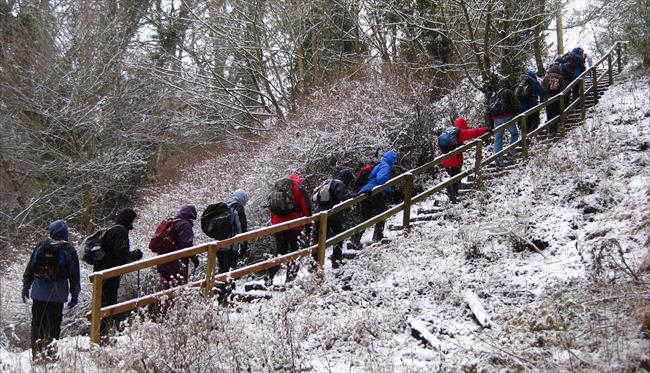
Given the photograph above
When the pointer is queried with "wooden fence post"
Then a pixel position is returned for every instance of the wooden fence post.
(477, 163)
(583, 100)
(209, 271)
(562, 114)
(408, 192)
(96, 308)
(523, 123)
(610, 70)
(594, 74)
(619, 55)
(322, 238)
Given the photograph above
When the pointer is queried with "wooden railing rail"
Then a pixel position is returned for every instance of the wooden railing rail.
(407, 179)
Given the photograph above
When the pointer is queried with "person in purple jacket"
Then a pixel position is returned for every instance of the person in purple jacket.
(52, 274)
(177, 273)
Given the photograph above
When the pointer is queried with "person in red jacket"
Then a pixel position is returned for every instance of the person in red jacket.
(287, 241)
(454, 164)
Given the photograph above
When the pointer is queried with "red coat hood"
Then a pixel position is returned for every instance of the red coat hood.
(461, 123)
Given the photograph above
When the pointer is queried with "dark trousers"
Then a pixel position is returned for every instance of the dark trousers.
(369, 208)
(552, 111)
(532, 121)
(286, 242)
(227, 259)
(109, 298)
(46, 324)
(334, 227)
(452, 190)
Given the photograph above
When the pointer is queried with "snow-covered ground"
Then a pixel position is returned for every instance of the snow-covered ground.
(402, 305)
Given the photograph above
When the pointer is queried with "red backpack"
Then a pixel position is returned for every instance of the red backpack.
(163, 239)
(364, 173)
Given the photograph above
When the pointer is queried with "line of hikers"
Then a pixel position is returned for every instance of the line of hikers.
(52, 272)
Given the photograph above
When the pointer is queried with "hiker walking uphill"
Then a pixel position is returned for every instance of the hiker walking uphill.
(221, 221)
(553, 84)
(116, 247)
(528, 92)
(237, 201)
(503, 107)
(454, 163)
(328, 194)
(177, 234)
(287, 201)
(376, 204)
(51, 274)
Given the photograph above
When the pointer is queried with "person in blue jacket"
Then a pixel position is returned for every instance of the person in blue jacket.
(52, 274)
(531, 99)
(376, 204)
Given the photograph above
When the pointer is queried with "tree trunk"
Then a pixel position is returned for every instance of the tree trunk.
(560, 27)
(538, 41)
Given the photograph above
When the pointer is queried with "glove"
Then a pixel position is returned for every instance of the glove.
(365, 193)
(73, 301)
(25, 294)
(136, 255)
(195, 261)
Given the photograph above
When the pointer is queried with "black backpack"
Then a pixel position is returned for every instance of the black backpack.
(497, 103)
(281, 201)
(93, 249)
(49, 261)
(524, 89)
(217, 221)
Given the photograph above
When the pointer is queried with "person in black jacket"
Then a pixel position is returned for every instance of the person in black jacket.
(117, 249)
(333, 192)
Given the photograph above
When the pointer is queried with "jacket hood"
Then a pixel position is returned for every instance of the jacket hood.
(295, 178)
(240, 196)
(125, 218)
(577, 51)
(532, 75)
(58, 230)
(345, 176)
(390, 157)
(555, 69)
(187, 212)
(461, 123)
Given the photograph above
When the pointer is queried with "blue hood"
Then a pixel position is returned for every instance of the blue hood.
(390, 157)
(532, 74)
(58, 230)
(239, 196)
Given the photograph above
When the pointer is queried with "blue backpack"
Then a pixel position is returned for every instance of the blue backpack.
(448, 139)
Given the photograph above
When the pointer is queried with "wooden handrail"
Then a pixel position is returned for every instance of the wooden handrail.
(97, 312)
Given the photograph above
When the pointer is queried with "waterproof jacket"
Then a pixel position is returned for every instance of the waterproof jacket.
(580, 62)
(300, 198)
(237, 201)
(538, 92)
(381, 173)
(554, 70)
(338, 191)
(512, 104)
(55, 291)
(464, 134)
(116, 241)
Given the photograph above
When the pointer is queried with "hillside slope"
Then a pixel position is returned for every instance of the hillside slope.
(580, 304)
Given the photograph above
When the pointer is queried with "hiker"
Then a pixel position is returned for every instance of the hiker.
(117, 252)
(528, 92)
(329, 193)
(376, 204)
(572, 64)
(237, 200)
(553, 84)
(288, 201)
(454, 163)
(503, 107)
(51, 274)
(176, 273)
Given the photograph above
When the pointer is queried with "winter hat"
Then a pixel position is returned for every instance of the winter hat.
(58, 230)
(125, 218)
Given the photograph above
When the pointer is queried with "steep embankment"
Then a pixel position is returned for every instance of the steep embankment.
(576, 305)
